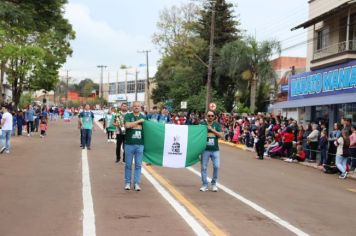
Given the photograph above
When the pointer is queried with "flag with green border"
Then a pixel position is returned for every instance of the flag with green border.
(175, 146)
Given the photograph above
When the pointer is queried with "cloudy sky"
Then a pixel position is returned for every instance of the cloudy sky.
(110, 32)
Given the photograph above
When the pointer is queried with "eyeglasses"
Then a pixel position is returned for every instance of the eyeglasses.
(210, 115)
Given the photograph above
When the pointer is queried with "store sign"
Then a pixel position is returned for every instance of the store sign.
(284, 88)
(324, 82)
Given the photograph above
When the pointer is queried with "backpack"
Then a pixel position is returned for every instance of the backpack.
(346, 148)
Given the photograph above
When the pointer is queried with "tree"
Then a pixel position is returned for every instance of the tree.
(34, 43)
(229, 71)
(226, 25)
(258, 59)
(225, 31)
(249, 60)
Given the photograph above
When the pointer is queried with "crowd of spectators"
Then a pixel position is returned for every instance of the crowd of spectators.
(281, 137)
(275, 136)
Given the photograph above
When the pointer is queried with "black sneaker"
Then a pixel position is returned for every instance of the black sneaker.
(2, 150)
(88, 148)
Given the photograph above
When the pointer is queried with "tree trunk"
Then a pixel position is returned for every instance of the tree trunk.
(2, 76)
(253, 94)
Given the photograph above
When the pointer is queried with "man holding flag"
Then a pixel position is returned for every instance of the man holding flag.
(211, 151)
(133, 145)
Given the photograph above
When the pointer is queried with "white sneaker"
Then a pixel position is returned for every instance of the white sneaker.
(7, 151)
(137, 187)
(127, 186)
(203, 188)
(28, 135)
(214, 188)
(288, 160)
(108, 140)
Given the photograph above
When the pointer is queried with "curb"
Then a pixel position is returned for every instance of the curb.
(312, 165)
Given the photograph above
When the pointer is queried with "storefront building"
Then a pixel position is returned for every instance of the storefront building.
(328, 90)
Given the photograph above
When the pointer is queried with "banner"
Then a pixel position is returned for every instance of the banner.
(175, 146)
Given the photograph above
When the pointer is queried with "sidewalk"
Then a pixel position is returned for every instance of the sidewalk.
(351, 175)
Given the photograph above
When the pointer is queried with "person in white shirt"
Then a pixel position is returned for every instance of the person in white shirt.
(6, 125)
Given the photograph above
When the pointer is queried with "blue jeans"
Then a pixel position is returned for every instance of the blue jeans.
(133, 151)
(5, 137)
(341, 163)
(86, 137)
(215, 158)
(323, 156)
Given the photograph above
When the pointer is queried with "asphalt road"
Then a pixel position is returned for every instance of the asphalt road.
(41, 193)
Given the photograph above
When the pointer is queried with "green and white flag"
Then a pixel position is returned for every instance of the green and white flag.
(175, 146)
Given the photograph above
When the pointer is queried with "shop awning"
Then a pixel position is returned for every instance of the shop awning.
(317, 101)
(325, 15)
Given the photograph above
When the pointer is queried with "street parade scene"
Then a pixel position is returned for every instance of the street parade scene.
(177, 117)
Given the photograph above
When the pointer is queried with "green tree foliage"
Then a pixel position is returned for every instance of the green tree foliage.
(34, 43)
(248, 61)
(226, 25)
(241, 64)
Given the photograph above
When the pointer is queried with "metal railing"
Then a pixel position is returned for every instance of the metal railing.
(335, 49)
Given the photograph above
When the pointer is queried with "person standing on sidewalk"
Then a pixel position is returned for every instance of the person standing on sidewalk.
(29, 118)
(211, 151)
(6, 125)
(313, 140)
(109, 124)
(86, 123)
(261, 138)
(342, 153)
(120, 131)
(134, 145)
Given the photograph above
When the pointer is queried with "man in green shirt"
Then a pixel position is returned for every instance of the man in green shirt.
(211, 151)
(86, 123)
(133, 145)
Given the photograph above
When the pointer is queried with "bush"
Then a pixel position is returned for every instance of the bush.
(25, 100)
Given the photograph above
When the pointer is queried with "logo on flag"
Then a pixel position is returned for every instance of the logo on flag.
(176, 146)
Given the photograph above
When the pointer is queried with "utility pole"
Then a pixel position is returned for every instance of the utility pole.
(67, 90)
(147, 85)
(211, 57)
(102, 67)
(136, 77)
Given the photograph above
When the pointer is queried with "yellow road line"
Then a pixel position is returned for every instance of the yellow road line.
(352, 190)
(187, 204)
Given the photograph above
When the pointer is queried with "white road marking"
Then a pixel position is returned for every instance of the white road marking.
(88, 208)
(189, 219)
(256, 207)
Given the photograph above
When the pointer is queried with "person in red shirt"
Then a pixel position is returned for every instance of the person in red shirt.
(288, 138)
(298, 156)
(278, 136)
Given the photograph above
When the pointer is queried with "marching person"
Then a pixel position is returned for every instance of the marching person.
(211, 151)
(120, 131)
(6, 125)
(109, 124)
(133, 145)
(86, 123)
(29, 119)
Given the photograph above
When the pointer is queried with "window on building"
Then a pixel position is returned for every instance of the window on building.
(112, 88)
(141, 86)
(322, 39)
(121, 87)
(130, 86)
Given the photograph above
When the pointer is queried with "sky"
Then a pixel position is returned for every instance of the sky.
(111, 32)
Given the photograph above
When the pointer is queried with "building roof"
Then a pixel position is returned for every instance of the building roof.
(325, 15)
(287, 62)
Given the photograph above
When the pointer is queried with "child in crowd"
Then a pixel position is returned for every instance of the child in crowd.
(43, 127)
(298, 154)
(271, 143)
(323, 145)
